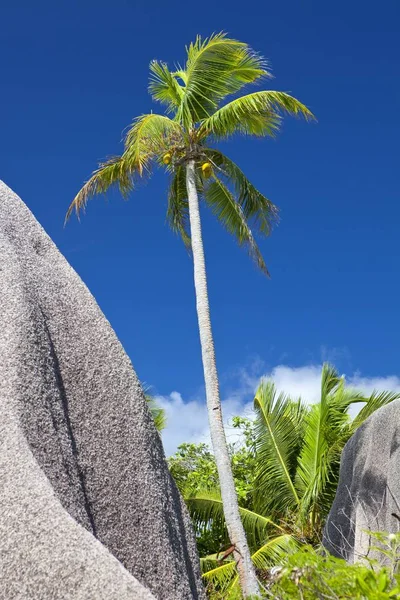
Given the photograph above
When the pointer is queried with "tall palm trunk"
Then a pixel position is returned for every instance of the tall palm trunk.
(237, 536)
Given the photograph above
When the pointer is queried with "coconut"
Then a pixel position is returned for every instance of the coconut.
(206, 169)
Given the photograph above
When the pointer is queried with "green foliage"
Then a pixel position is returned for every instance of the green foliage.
(195, 100)
(286, 472)
(193, 468)
(310, 575)
(226, 208)
(257, 114)
(158, 413)
(178, 206)
(243, 460)
(258, 211)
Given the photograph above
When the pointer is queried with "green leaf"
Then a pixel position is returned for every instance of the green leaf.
(217, 67)
(313, 471)
(164, 86)
(178, 206)
(149, 137)
(275, 550)
(327, 431)
(223, 577)
(375, 401)
(258, 114)
(260, 213)
(116, 171)
(231, 215)
(158, 413)
(277, 428)
(206, 507)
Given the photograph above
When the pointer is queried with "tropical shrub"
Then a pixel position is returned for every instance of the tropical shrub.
(310, 575)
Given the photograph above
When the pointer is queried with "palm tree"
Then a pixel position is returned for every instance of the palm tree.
(197, 112)
(297, 456)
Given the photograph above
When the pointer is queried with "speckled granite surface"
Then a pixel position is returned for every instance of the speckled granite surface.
(368, 494)
(87, 506)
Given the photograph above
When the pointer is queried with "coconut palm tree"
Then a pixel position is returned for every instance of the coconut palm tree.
(297, 456)
(197, 112)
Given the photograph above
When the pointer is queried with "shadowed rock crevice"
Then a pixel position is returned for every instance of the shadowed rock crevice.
(71, 436)
(88, 508)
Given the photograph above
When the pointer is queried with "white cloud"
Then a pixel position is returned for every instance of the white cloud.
(369, 384)
(187, 421)
(297, 381)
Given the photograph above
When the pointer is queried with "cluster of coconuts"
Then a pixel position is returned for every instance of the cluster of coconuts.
(206, 167)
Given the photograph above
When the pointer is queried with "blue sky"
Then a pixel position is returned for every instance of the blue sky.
(74, 74)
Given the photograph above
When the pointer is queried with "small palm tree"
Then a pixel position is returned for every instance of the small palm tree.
(194, 96)
(297, 456)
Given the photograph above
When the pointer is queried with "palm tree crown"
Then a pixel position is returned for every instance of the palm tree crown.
(197, 112)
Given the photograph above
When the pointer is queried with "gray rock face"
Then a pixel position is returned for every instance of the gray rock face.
(368, 495)
(88, 509)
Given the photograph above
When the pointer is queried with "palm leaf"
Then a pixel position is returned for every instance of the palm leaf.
(313, 470)
(206, 507)
(315, 443)
(259, 212)
(230, 213)
(158, 413)
(164, 86)
(150, 136)
(222, 578)
(373, 403)
(216, 67)
(278, 427)
(178, 206)
(275, 550)
(258, 113)
(117, 171)
(207, 563)
(326, 434)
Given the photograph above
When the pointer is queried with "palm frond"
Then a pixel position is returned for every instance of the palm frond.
(375, 401)
(158, 413)
(275, 550)
(150, 136)
(221, 578)
(313, 470)
(278, 423)
(258, 114)
(116, 171)
(164, 87)
(207, 563)
(216, 67)
(205, 508)
(181, 74)
(325, 437)
(230, 213)
(178, 206)
(258, 211)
